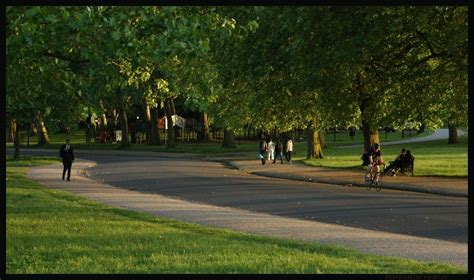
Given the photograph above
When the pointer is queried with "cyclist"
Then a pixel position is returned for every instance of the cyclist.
(375, 159)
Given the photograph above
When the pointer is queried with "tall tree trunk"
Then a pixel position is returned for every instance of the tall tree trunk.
(116, 119)
(89, 127)
(314, 141)
(204, 133)
(87, 131)
(88, 135)
(44, 131)
(229, 140)
(43, 137)
(104, 122)
(453, 134)
(28, 136)
(155, 131)
(170, 143)
(93, 128)
(16, 139)
(103, 118)
(322, 139)
(10, 132)
(371, 135)
(124, 127)
(33, 128)
(40, 135)
(152, 132)
(149, 123)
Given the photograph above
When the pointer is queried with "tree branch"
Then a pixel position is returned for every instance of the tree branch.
(62, 57)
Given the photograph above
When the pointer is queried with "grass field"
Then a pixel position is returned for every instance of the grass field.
(50, 231)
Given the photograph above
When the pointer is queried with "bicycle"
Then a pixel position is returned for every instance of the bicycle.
(371, 182)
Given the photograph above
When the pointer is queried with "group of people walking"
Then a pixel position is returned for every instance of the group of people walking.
(271, 151)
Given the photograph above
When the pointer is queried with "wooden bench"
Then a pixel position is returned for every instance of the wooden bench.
(409, 169)
(406, 170)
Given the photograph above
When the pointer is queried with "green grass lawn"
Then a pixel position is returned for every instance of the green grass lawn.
(50, 231)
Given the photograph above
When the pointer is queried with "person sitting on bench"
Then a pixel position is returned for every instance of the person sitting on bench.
(407, 162)
(396, 164)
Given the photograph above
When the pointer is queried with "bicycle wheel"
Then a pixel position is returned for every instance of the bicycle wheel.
(378, 184)
(369, 181)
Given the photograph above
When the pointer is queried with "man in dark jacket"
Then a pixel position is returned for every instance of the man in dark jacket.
(67, 154)
(278, 151)
(262, 149)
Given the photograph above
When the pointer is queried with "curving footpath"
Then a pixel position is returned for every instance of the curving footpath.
(374, 242)
(440, 134)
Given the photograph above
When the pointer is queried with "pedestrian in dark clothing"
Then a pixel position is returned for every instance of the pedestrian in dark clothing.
(262, 149)
(278, 151)
(407, 160)
(67, 154)
(352, 133)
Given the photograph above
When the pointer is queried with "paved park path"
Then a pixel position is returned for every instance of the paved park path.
(370, 241)
(457, 187)
(439, 134)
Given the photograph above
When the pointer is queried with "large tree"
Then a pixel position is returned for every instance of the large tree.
(274, 68)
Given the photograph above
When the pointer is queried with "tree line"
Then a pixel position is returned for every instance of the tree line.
(275, 68)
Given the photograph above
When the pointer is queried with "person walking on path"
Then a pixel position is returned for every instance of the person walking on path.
(263, 147)
(271, 150)
(67, 154)
(289, 150)
(278, 151)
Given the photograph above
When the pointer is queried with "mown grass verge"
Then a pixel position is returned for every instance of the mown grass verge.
(50, 231)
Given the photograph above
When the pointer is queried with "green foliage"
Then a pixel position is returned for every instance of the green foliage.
(261, 66)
